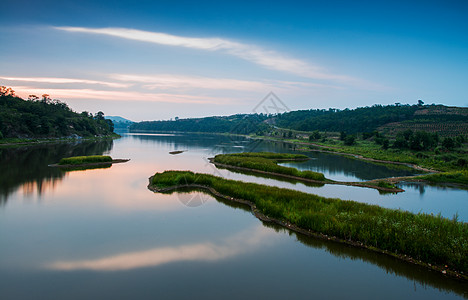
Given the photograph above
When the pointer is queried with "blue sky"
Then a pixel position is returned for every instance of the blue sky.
(147, 60)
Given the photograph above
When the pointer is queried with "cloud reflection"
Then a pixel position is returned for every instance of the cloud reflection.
(238, 244)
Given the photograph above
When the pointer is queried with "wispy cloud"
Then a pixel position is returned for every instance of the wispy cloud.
(165, 81)
(255, 54)
(65, 80)
(232, 246)
(24, 91)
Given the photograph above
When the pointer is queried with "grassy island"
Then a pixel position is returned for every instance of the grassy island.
(268, 162)
(80, 160)
(429, 240)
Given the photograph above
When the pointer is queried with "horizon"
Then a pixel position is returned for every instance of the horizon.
(158, 61)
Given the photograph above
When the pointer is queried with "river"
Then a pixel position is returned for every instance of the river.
(101, 233)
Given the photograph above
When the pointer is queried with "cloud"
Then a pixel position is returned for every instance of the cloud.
(65, 80)
(252, 53)
(235, 245)
(165, 81)
(24, 91)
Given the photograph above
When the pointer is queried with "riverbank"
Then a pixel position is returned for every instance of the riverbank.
(432, 241)
(15, 142)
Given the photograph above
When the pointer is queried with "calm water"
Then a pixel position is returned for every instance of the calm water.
(101, 234)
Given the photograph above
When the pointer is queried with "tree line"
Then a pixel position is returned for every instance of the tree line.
(44, 117)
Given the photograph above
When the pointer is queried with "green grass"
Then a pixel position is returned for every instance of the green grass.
(79, 160)
(431, 239)
(267, 161)
(454, 176)
(426, 159)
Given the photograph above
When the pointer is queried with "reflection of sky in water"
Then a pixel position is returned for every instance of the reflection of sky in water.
(104, 226)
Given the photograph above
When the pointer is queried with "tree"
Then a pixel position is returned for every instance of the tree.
(349, 140)
(99, 115)
(4, 91)
(448, 143)
(315, 136)
(46, 98)
(385, 144)
(33, 98)
(342, 135)
(420, 103)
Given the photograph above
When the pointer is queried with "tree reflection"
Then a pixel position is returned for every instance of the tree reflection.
(27, 167)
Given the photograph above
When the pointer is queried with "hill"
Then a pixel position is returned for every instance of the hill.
(447, 121)
(46, 118)
(118, 119)
(119, 122)
(239, 124)
(391, 119)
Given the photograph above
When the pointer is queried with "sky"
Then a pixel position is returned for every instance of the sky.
(157, 60)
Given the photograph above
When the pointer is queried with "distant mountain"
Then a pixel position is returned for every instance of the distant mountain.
(118, 119)
(119, 122)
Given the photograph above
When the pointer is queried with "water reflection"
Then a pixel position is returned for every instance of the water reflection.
(240, 243)
(390, 264)
(27, 166)
(343, 168)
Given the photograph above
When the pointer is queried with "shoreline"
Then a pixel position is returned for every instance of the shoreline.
(40, 141)
(295, 228)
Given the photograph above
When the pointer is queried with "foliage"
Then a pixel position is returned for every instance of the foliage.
(349, 140)
(369, 119)
(267, 161)
(79, 160)
(432, 239)
(236, 124)
(315, 136)
(47, 118)
(419, 140)
(454, 176)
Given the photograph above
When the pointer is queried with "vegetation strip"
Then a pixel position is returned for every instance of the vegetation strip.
(432, 241)
(266, 163)
(83, 161)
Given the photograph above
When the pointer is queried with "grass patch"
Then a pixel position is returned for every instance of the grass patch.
(267, 161)
(454, 176)
(431, 239)
(79, 160)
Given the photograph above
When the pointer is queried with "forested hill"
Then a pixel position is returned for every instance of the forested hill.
(390, 119)
(240, 124)
(46, 118)
(378, 117)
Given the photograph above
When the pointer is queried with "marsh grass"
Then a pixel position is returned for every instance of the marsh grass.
(79, 160)
(460, 177)
(431, 239)
(267, 161)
